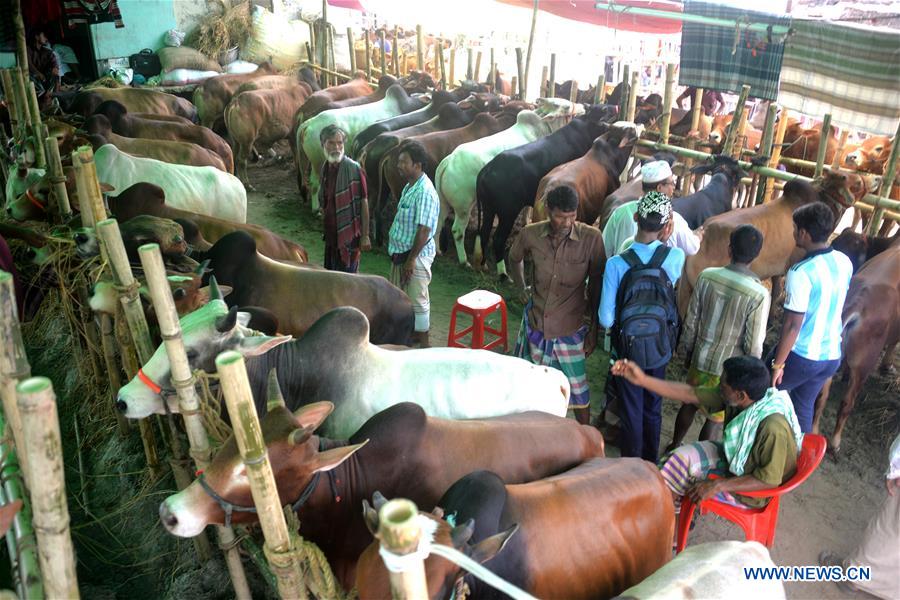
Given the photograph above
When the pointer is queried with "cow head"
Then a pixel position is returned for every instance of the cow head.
(719, 127)
(112, 110)
(854, 245)
(556, 112)
(140, 230)
(293, 453)
(726, 165)
(98, 125)
(839, 190)
(208, 331)
(187, 292)
(648, 110)
(443, 577)
(871, 155)
(600, 113)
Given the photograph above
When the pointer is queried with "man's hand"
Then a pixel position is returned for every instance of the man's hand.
(777, 376)
(629, 370)
(703, 489)
(892, 485)
(365, 244)
(590, 340)
(407, 273)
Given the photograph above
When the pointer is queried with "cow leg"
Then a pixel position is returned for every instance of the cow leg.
(821, 401)
(862, 350)
(683, 295)
(504, 227)
(442, 219)
(887, 361)
(777, 293)
(460, 223)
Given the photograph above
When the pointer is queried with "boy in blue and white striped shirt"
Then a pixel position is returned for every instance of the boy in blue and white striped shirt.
(809, 352)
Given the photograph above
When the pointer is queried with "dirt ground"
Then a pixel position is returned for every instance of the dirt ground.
(829, 511)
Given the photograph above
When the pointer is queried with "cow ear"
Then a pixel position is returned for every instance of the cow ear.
(488, 548)
(312, 415)
(106, 188)
(701, 169)
(260, 344)
(328, 460)
(370, 516)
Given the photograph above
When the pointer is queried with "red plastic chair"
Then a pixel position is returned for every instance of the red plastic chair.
(479, 304)
(758, 523)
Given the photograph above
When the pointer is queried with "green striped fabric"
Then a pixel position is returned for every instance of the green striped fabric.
(849, 71)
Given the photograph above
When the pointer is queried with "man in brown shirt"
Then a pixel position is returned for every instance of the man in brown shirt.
(559, 324)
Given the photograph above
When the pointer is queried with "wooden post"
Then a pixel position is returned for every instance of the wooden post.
(107, 341)
(184, 383)
(528, 52)
(383, 57)
(420, 49)
(14, 365)
(40, 159)
(9, 92)
(22, 101)
(600, 90)
(395, 53)
(470, 62)
(836, 162)
(776, 152)
(313, 50)
(519, 73)
(573, 92)
(668, 98)
(439, 56)
(551, 81)
(89, 193)
(734, 126)
(632, 96)
(40, 426)
(765, 147)
(325, 41)
(823, 146)
(626, 83)
(886, 184)
(352, 44)
(399, 530)
(545, 72)
(368, 57)
(477, 72)
(21, 44)
(248, 435)
(452, 76)
(492, 74)
(695, 125)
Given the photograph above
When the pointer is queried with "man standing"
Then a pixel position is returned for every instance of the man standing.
(639, 300)
(345, 207)
(559, 324)
(711, 103)
(726, 317)
(410, 239)
(656, 176)
(809, 351)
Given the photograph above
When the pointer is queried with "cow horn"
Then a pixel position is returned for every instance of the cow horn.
(370, 516)
(226, 323)
(275, 398)
(378, 500)
(299, 436)
(462, 533)
(214, 292)
(201, 268)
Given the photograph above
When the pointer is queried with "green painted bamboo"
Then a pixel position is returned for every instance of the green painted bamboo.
(368, 57)
(551, 81)
(600, 90)
(470, 60)
(820, 156)
(519, 72)
(765, 147)
(734, 127)
(668, 97)
(688, 18)
(886, 184)
(632, 96)
(352, 45)
(626, 83)
(382, 55)
(420, 49)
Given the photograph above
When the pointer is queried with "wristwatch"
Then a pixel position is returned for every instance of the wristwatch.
(777, 366)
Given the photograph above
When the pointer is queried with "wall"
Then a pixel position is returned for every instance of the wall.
(146, 23)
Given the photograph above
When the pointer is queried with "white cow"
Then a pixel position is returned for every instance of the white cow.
(456, 175)
(335, 360)
(714, 570)
(203, 190)
(17, 184)
(352, 120)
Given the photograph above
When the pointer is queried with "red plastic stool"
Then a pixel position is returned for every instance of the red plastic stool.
(479, 304)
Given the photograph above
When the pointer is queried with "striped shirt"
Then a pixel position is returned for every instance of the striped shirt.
(419, 205)
(816, 288)
(726, 317)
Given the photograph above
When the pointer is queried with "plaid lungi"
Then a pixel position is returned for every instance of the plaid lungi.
(565, 353)
(690, 463)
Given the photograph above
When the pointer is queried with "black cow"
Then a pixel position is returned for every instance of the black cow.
(714, 199)
(860, 247)
(438, 99)
(509, 182)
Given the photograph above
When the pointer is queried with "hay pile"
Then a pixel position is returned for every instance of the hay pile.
(106, 81)
(219, 32)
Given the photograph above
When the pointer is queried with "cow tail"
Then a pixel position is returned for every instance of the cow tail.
(478, 255)
(849, 324)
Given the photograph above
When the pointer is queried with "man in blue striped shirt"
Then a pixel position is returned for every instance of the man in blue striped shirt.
(809, 352)
(410, 242)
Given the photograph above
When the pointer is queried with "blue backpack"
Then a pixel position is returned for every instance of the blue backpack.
(646, 329)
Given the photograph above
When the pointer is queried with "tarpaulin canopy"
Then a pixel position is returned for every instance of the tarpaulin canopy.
(585, 11)
(351, 4)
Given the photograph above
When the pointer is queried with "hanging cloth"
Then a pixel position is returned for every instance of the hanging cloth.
(92, 11)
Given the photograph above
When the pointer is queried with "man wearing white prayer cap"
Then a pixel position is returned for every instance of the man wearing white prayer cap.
(621, 227)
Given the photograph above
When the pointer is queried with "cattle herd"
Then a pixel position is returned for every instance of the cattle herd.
(481, 435)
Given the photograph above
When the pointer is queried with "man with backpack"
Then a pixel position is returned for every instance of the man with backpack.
(637, 306)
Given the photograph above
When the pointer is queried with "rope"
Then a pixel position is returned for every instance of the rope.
(211, 407)
(316, 569)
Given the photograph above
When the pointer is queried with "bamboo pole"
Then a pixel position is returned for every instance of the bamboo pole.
(21, 44)
(395, 53)
(733, 127)
(313, 51)
(89, 193)
(823, 145)
(514, 85)
(368, 57)
(22, 101)
(352, 44)
(324, 52)
(528, 52)
(545, 74)
(252, 447)
(780, 129)
(420, 49)
(399, 530)
(470, 59)
(668, 98)
(14, 365)
(632, 96)
(40, 426)
(9, 92)
(887, 183)
(477, 72)
(551, 80)
(40, 157)
(573, 92)
(894, 215)
(107, 341)
(519, 66)
(695, 125)
(492, 77)
(185, 386)
(836, 162)
(439, 56)
(765, 148)
(452, 77)
(600, 90)
(689, 18)
(382, 55)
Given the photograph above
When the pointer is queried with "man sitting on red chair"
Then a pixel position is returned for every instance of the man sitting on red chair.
(761, 439)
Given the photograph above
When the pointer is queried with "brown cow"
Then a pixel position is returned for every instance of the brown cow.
(112, 116)
(261, 116)
(718, 130)
(838, 190)
(871, 156)
(406, 455)
(213, 95)
(593, 176)
(357, 87)
(588, 533)
(139, 100)
(177, 153)
(270, 82)
(803, 143)
(871, 318)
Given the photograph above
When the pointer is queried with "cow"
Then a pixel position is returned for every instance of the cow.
(261, 116)
(140, 100)
(456, 175)
(509, 182)
(406, 455)
(176, 153)
(712, 570)
(113, 116)
(629, 191)
(718, 131)
(838, 190)
(716, 197)
(564, 90)
(803, 143)
(592, 176)
(203, 190)
(357, 87)
(298, 296)
(213, 94)
(871, 155)
(590, 532)
(861, 248)
(135, 232)
(351, 120)
(438, 99)
(8, 265)
(871, 318)
(682, 121)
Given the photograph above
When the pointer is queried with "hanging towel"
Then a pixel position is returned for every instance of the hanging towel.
(850, 71)
(707, 60)
(92, 11)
